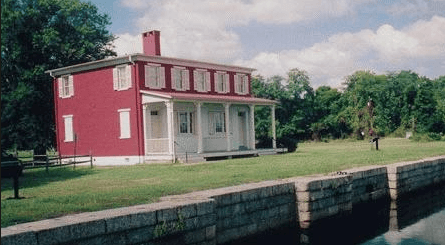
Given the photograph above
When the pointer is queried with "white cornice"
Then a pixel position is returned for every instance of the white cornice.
(152, 59)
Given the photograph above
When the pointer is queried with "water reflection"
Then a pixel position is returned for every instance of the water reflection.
(418, 218)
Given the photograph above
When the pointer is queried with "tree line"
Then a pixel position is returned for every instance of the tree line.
(383, 105)
(39, 35)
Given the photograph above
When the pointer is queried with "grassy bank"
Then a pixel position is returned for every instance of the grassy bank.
(65, 190)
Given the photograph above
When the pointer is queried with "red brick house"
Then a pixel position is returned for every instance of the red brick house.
(146, 107)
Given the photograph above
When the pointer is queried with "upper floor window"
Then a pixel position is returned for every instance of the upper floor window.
(122, 77)
(66, 86)
(180, 78)
(222, 82)
(241, 84)
(201, 80)
(154, 76)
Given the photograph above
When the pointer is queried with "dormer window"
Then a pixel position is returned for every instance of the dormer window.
(154, 76)
(222, 82)
(66, 86)
(121, 77)
(180, 78)
(241, 84)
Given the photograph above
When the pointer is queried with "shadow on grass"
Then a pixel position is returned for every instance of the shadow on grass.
(38, 177)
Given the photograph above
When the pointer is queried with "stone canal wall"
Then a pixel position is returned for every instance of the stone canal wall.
(406, 177)
(227, 214)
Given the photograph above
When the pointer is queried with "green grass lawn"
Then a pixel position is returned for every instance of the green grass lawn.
(64, 190)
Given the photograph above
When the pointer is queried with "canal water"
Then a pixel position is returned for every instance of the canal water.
(414, 219)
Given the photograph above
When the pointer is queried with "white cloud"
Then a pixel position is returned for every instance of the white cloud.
(342, 54)
(417, 7)
(202, 29)
(128, 44)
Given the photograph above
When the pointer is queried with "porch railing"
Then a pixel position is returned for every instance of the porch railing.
(159, 145)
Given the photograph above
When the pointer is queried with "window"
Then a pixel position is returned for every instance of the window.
(217, 123)
(66, 86)
(121, 77)
(241, 84)
(69, 132)
(124, 122)
(185, 122)
(201, 80)
(222, 82)
(154, 76)
(180, 79)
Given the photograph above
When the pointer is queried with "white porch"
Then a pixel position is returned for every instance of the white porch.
(198, 129)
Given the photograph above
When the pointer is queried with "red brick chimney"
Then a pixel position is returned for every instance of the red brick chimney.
(151, 43)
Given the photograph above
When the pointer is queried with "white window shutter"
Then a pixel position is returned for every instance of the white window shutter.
(185, 80)
(207, 82)
(69, 132)
(246, 84)
(147, 76)
(226, 77)
(71, 85)
(60, 82)
(216, 82)
(128, 76)
(115, 79)
(237, 83)
(173, 78)
(124, 121)
(195, 80)
(162, 77)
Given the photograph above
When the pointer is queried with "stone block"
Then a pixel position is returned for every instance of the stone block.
(228, 235)
(206, 220)
(283, 189)
(113, 238)
(227, 199)
(195, 236)
(187, 211)
(203, 208)
(210, 232)
(191, 223)
(252, 229)
(232, 210)
(139, 235)
(68, 228)
(166, 215)
(130, 221)
(18, 237)
(249, 195)
(265, 192)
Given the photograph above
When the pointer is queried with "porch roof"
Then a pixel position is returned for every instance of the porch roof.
(210, 98)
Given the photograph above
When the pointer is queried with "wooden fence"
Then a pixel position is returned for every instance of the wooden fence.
(56, 161)
(13, 169)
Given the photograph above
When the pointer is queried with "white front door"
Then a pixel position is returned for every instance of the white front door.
(242, 130)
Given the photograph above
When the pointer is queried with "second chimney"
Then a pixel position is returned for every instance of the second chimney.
(151, 43)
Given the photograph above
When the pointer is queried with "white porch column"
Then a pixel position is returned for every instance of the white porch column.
(274, 131)
(146, 128)
(170, 126)
(227, 118)
(199, 125)
(252, 127)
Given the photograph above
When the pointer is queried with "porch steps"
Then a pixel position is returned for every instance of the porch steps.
(190, 158)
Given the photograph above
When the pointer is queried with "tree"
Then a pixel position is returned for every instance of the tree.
(39, 35)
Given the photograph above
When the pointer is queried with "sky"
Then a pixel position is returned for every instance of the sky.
(330, 39)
